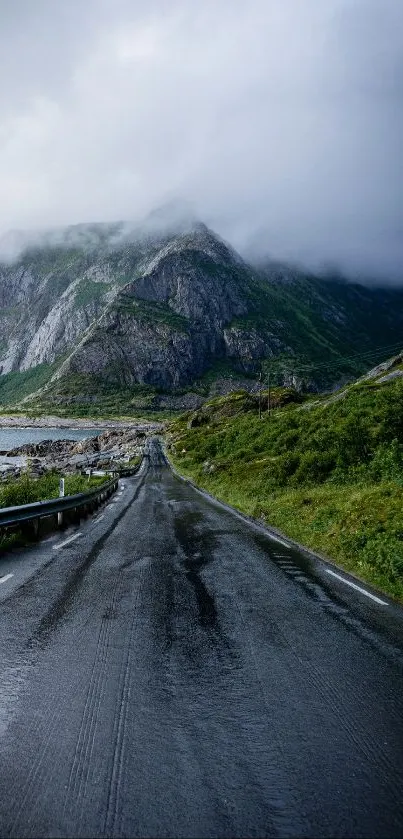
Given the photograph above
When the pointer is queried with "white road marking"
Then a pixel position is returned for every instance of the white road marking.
(99, 519)
(66, 541)
(277, 539)
(259, 527)
(358, 588)
(5, 578)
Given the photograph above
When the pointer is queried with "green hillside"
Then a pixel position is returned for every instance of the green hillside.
(327, 472)
(335, 328)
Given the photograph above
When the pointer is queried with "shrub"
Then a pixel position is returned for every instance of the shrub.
(390, 408)
(314, 467)
(284, 467)
(387, 463)
(353, 441)
(286, 441)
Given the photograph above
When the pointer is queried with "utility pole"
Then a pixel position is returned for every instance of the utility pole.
(269, 394)
(260, 395)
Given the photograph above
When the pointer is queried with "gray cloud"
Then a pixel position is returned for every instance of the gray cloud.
(282, 123)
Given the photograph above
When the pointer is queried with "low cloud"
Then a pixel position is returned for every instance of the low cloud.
(281, 123)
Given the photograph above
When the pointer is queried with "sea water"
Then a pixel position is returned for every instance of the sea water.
(10, 438)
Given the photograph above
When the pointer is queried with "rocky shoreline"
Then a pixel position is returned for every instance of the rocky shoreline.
(113, 448)
(24, 421)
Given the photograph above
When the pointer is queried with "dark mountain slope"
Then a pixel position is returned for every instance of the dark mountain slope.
(113, 307)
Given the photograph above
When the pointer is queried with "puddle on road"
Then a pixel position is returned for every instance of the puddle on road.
(198, 547)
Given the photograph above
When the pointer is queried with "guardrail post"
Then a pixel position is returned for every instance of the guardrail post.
(31, 528)
(61, 495)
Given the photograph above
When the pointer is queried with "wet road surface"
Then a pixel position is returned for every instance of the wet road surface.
(175, 672)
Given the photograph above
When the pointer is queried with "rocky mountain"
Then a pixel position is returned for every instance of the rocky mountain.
(143, 313)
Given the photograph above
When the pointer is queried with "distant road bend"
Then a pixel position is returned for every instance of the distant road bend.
(170, 670)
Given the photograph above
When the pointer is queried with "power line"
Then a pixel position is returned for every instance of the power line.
(343, 360)
(368, 354)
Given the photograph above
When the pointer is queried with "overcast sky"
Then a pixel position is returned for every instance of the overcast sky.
(281, 121)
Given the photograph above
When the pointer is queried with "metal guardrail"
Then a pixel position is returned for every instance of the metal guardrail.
(13, 516)
(127, 471)
(30, 514)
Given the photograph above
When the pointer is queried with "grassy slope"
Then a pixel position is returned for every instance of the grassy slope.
(15, 386)
(330, 476)
(89, 396)
(329, 324)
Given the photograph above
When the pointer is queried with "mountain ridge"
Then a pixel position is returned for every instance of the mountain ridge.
(163, 307)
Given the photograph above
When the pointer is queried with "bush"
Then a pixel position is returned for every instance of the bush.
(286, 441)
(314, 467)
(384, 553)
(353, 441)
(387, 463)
(390, 409)
(284, 467)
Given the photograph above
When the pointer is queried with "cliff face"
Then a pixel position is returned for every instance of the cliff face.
(169, 323)
(162, 308)
(44, 306)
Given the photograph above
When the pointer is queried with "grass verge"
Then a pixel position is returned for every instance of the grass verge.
(330, 478)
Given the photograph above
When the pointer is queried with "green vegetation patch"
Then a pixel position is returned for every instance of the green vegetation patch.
(88, 291)
(15, 386)
(330, 477)
(221, 368)
(89, 396)
(330, 325)
(27, 490)
(151, 312)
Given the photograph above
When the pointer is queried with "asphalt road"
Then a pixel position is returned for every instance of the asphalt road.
(174, 672)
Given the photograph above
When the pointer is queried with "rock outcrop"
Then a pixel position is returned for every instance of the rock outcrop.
(109, 450)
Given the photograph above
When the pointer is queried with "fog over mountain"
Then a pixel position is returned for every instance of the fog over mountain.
(281, 123)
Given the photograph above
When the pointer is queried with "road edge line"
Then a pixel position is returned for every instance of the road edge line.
(290, 543)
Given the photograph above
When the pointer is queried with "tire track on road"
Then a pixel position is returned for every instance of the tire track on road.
(81, 763)
(40, 769)
(39, 774)
(310, 674)
(120, 721)
(36, 774)
(64, 600)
